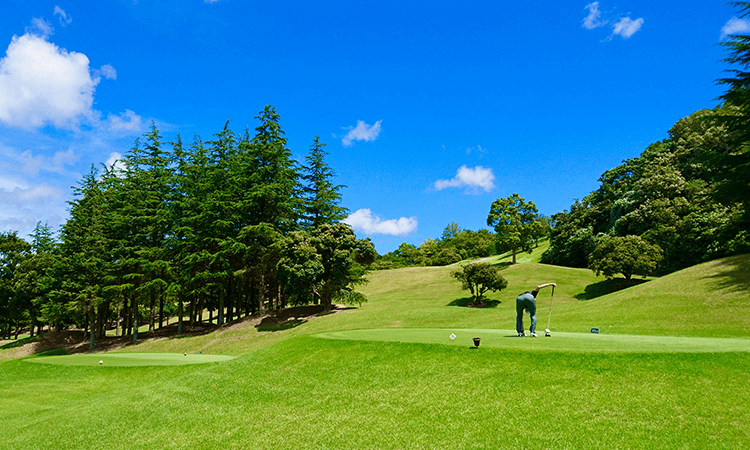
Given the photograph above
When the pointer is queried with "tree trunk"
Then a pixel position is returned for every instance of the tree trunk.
(152, 313)
(261, 293)
(179, 322)
(161, 308)
(192, 310)
(220, 318)
(119, 316)
(135, 318)
(92, 328)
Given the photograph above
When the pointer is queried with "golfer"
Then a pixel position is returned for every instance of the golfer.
(527, 302)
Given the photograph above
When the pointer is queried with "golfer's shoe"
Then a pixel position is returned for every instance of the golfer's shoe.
(533, 334)
(521, 334)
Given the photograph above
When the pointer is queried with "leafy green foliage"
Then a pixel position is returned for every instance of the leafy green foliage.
(629, 255)
(666, 196)
(479, 278)
(517, 224)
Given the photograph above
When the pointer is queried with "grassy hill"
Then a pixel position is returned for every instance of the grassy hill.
(292, 389)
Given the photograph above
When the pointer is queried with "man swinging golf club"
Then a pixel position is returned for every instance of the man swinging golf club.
(527, 302)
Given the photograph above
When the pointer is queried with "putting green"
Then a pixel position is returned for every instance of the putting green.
(576, 342)
(130, 359)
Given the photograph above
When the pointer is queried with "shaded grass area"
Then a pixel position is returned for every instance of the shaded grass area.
(318, 393)
(128, 359)
(15, 343)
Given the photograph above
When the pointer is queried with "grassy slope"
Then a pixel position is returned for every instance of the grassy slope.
(289, 390)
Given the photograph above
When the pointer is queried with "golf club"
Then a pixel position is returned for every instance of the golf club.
(546, 331)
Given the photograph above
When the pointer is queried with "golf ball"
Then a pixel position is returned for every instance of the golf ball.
(101, 362)
(185, 354)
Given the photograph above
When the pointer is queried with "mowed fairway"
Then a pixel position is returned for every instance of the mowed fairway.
(667, 375)
(574, 342)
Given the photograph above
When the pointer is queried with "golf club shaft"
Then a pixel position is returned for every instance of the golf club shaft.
(549, 318)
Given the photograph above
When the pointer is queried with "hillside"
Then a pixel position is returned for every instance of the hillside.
(709, 300)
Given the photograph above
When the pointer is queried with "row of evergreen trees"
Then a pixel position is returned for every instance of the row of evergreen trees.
(232, 224)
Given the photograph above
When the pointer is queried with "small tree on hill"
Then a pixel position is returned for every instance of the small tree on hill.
(479, 278)
(629, 255)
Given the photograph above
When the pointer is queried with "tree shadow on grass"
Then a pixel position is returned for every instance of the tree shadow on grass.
(734, 273)
(467, 302)
(605, 287)
(272, 326)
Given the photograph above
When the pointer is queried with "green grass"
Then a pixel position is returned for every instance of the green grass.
(572, 342)
(669, 370)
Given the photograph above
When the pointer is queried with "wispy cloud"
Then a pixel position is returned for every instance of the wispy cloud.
(127, 121)
(362, 220)
(622, 26)
(362, 132)
(108, 72)
(476, 179)
(40, 27)
(593, 20)
(626, 27)
(735, 26)
(65, 19)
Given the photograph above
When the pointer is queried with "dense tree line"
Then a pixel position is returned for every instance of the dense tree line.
(232, 225)
(671, 196)
(683, 201)
(454, 245)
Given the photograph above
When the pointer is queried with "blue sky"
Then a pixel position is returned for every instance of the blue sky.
(430, 111)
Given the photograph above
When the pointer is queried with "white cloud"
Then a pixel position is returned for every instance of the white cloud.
(40, 27)
(362, 132)
(65, 19)
(108, 72)
(41, 84)
(20, 206)
(115, 159)
(593, 19)
(363, 220)
(476, 178)
(127, 121)
(29, 164)
(735, 26)
(626, 27)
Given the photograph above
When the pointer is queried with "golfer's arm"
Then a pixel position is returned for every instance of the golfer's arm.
(545, 285)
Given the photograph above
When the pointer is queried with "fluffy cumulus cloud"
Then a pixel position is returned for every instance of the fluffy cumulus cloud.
(42, 84)
(626, 27)
(476, 179)
(735, 26)
(363, 221)
(362, 132)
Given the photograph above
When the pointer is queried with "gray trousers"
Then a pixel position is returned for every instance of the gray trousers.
(521, 305)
